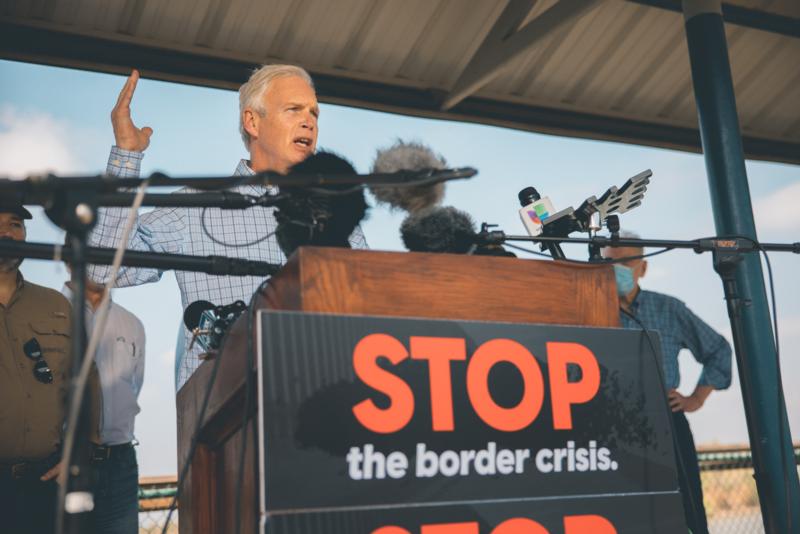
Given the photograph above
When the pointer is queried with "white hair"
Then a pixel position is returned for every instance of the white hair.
(252, 91)
(627, 234)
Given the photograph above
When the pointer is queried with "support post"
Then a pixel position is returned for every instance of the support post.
(767, 423)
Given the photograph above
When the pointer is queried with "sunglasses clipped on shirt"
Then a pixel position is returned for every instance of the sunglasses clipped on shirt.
(41, 371)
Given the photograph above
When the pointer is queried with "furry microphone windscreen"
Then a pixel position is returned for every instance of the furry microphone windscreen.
(411, 156)
(438, 229)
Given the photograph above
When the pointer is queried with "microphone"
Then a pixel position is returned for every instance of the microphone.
(439, 229)
(407, 156)
(193, 312)
(540, 218)
(209, 323)
(449, 230)
(534, 211)
(323, 215)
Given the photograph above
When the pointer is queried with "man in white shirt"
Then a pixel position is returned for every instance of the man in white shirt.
(120, 365)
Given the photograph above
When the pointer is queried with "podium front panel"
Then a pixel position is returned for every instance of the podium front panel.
(369, 424)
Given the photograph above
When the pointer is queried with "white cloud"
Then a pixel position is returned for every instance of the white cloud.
(34, 142)
(779, 211)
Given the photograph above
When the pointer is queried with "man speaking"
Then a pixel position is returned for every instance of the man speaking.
(278, 121)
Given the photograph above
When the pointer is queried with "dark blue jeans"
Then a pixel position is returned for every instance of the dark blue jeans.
(689, 475)
(28, 505)
(116, 499)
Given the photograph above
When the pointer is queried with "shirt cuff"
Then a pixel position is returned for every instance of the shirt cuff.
(715, 379)
(123, 162)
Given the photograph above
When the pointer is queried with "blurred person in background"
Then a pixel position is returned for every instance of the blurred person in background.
(120, 365)
(678, 329)
(35, 362)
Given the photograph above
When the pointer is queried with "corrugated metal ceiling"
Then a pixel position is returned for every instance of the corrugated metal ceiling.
(618, 70)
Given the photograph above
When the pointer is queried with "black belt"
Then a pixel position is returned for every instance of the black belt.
(101, 453)
(22, 470)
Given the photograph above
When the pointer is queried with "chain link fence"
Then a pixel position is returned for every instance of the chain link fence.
(729, 490)
(155, 498)
(729, 494)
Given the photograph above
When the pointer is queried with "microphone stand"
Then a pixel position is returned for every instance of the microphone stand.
(72, 204)
(216, 265)
(42, 189)
(77, 485)
(78, 255)
(727, 254)
(710, 244)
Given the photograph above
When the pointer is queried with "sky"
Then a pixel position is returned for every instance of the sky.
(55, 119)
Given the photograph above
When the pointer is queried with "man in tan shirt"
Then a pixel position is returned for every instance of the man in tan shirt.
(35, 362)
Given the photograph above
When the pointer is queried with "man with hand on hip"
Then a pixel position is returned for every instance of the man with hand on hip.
(678, 329)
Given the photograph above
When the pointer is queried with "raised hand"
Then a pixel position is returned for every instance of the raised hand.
(126, 134)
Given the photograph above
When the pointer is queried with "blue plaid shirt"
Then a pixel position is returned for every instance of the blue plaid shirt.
(236, 233)
(679, 328)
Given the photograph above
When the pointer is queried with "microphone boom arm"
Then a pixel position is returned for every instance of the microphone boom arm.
(709, 244)
(45, 190)
(217, 265)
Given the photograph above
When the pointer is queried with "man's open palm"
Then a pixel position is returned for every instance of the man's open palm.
(126, 134)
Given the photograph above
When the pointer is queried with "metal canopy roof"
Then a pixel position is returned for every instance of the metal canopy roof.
(599, 69)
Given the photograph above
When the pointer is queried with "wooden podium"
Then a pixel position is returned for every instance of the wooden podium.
(360, 282)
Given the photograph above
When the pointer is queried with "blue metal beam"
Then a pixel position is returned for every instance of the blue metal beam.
(767, 423)
(740, 16)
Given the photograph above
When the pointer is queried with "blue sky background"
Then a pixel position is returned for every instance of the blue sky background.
(58, 119)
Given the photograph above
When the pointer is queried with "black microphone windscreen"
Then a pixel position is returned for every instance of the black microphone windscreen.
(312, 216)
(438, 230)
(192, 313)
(325, 162)
(411, 156)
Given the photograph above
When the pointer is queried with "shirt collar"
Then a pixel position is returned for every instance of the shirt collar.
(67, 292)
(243, 169)
(637, 300)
